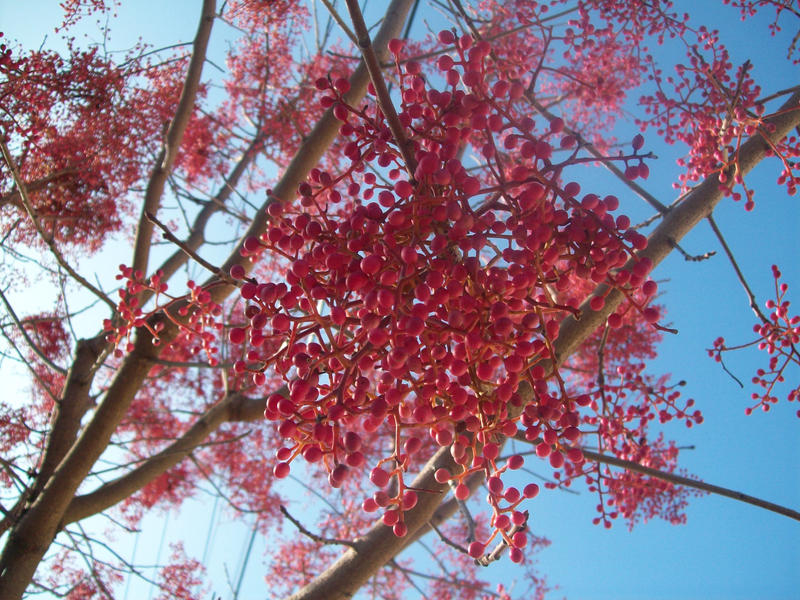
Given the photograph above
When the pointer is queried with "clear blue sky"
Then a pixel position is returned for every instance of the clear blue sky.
(727, 550)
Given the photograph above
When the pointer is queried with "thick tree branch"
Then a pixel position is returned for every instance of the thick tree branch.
(70, 408)
(234, 407)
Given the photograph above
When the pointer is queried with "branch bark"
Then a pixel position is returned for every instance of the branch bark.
(234, 407)
(629, 465)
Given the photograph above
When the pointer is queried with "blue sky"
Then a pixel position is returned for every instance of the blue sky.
(727, 549)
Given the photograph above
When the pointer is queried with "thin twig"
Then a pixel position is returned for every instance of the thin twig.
(447, 540)
(679, 480)
(692, 257)
(750, 296)
(381, 91)
(29, 341)
(693, 483)
(453, 582)
(777, 94)
(464, 509)
(338, 18)
(168, 235)
(730, 373)
(314, 536)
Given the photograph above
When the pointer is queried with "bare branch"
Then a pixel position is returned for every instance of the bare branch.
(173, 137)
(314, 536)
(750, 295)
(679, 480)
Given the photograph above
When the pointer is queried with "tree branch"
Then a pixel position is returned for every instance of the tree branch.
(678, 480)
(381, 91)
(173, 138)
(197, 234)
(234, 407)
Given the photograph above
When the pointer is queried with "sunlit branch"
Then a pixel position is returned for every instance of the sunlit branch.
(778, 94)
(173, 138)
(381, 91)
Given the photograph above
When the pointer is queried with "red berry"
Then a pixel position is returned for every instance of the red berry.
(395, 46)
(531, 490)
(370, 264)
(447, 37)
(379, 477)
(476, 549)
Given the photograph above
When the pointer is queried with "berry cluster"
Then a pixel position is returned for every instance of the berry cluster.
(779, 336)
(195, 314)
(420, 296)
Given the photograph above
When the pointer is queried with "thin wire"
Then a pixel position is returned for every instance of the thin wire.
(246, 558)
(158, 555)
(133, 562)
(211, 529)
